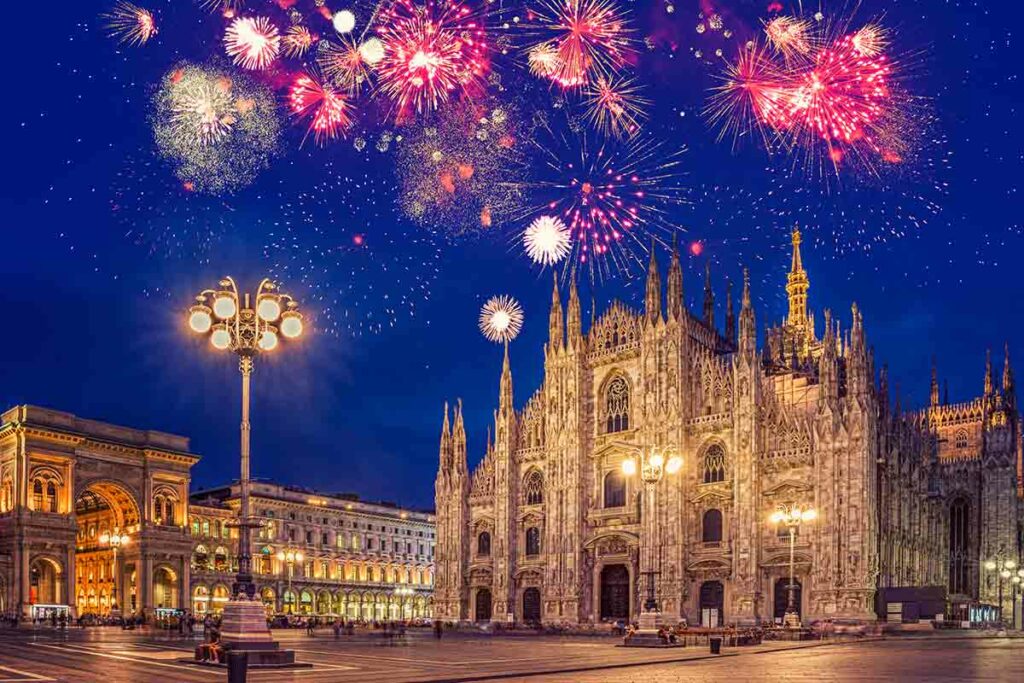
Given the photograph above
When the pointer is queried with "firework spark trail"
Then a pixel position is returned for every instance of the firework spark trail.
(130, 24)
(615, 107)
(345, 65)
(296, 41)
(501, 319)
(329, 110)
(432, 52)
(253, 42)
(580, 40)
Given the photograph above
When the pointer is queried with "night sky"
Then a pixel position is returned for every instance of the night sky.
(104, 246)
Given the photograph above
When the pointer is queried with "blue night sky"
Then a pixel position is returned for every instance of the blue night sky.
(104, 247)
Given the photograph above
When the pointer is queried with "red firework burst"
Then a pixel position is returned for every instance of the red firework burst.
(432, 51)
(329, 109)
(589, 38)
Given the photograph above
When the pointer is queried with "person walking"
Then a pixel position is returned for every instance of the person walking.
(438, 628)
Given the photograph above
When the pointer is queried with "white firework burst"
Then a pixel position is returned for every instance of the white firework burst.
(547, 240)
(501, 319)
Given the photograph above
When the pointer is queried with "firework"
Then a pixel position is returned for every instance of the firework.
(501, 319)
(216, 127)
(432, 51)
(544, 61)
(870, 40)
(547, 241)
(296, 41)
(614, 196)
(615, 106)
(453, 168)
(372, 51)
(345, 65)
(589, 38)
(752, 96)
(130, 24)
(790, 36)
(329, 110)
(253, 42)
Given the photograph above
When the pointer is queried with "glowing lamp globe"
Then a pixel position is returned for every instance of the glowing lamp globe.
(990, 565)
(199, 319)
(673, 465)
(809, 515)
(299, 557)
(291, 324)
(280, 555)
(221, 338)
(344, 21)
(776, 517)
(629, 467)
(104, 538)
(657, 460)
(224, 306)
(124, 540)
(268, 341)
(268, 309)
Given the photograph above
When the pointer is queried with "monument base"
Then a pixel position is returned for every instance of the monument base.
(244, 628)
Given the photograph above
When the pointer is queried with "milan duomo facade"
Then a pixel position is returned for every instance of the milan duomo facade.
(547, 528)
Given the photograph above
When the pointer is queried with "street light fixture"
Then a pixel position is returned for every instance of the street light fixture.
(792, 517)
(114, 541)
(246, 327)
(653, 466)
(290, 557)
(1005, 568)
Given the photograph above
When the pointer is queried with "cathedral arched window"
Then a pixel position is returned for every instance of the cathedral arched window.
(169, 511)
(711, 526)
(483, 544)
(961, 439)
(533, 488)
(532, 541)
(960, 544)
(714, 464)
(37, 495)
(617, 406)
(51, 497)
(614, 489)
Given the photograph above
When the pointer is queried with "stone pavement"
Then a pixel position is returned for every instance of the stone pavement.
(112, 655)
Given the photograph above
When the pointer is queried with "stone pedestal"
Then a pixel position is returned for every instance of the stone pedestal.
(244, 628)
(647, 633)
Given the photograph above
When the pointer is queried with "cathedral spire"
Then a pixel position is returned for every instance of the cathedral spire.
(797, 285)
(652, 297)
(675, 284)
(505, 399)
(556, 338)
(1007, 370)
(459, 441)
(748, 333)
(574, 326)
(709, 297)
(935, 384)
(446, 442)
(730, 318)
(989, 383)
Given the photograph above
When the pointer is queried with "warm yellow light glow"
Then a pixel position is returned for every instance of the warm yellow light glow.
(104, 538)
(291, 324)
(629, 467)
(299, 557)
(776, 517)
(269, 309)
(124, 540)
(1010, 564)
(280, 556)
(810, 515)
(673, 465)
(990, 565)
(224, 306)
(220, 338)
(1005, 573)
(1016, 579)
(268, 340)
(795, 513)
(199, 319)
(657, 460)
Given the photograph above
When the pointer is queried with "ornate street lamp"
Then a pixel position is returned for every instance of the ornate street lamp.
(1017, 579)
(290, 557)
(1005, 568)
(114, 541)
(246, 327)
(792, 517)
(653, 466)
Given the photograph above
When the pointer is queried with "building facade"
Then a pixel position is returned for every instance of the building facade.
(315, 554)
(72, 488)
(549, 528)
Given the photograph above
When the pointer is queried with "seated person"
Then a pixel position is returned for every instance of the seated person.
(211, 650)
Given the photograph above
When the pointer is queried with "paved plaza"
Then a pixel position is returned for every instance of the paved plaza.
(113, 655)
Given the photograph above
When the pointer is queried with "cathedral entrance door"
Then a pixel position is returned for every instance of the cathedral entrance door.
(615, 592)
(483, 605)
(531, 605)
(712, 604)
(782, 597)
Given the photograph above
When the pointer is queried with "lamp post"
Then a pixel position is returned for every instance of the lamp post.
(1017, 579)
(246, 327)
(792, 516)
(114, 541)
(1005, 569)
(652, 466)
(290, 557)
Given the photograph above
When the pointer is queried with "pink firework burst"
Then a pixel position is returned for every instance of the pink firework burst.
(252, 42)
(432, 52)
(328, 108)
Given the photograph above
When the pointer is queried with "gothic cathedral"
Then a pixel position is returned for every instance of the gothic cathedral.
(548, 527)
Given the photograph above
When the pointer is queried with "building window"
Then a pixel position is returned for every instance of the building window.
(309, 537)
(532, 542)
(533, 488)
(617, 406)
(961, 439)
(37, 495)
(711, 526)
(483, 544)
(614, 489)
(714, 464)
(51, 497)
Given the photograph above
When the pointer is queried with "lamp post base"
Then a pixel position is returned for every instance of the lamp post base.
(791, 619)
(647, 634)
(244, 628)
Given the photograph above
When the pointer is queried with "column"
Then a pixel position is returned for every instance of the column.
(71, 581)
(185, 584)
(145, 581)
